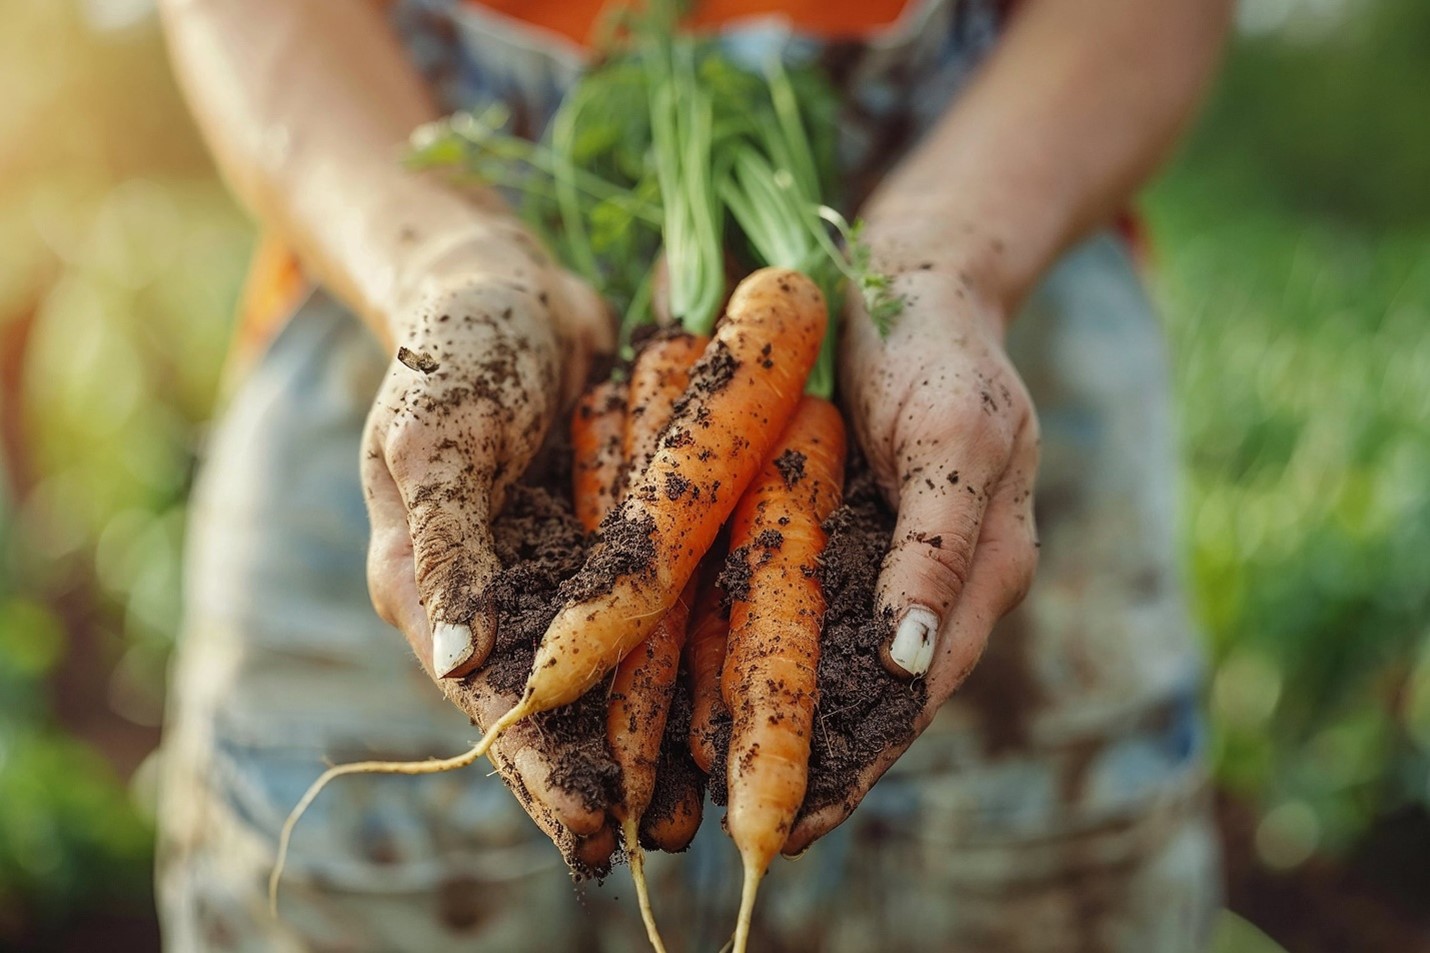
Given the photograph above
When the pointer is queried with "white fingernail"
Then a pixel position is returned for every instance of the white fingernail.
(912, 648)
(451, 646)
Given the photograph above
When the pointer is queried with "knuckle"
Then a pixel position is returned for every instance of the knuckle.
(437, 555)
(940, 562)
(406, 439)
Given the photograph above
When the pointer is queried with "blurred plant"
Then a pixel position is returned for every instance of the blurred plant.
(1300, 312)
(119, 261)
(1323, 105)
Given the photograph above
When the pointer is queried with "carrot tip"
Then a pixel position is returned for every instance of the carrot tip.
(753, 876)
(630, 832)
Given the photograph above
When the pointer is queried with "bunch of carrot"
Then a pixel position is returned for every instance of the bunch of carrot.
(721, 422)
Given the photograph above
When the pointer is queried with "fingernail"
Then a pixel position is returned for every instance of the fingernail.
(451, 646)
(913, 644)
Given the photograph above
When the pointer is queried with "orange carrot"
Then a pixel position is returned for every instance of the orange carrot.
(673, 817)
(741, 394)
(776, 609)
(598, 427)
(673, 829)
(704, 657)
(635, 720)
(659, 376)
(645, 678)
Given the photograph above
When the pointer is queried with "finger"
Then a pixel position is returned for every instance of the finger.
(593, 848)
(943, 493)
(445, 482)
(524, 756)
(565, 818)
(1004, 563)
(392, 583)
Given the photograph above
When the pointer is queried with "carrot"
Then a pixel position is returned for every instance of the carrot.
(645, 678)
(659, 377)
(776, 609)
(673, 817)
(741, 394)
(674, 828)
(704, 657)
(598, 427)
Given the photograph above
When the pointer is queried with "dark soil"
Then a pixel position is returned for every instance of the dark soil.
(863, 710)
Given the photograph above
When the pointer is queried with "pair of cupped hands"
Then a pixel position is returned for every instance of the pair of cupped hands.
(487, 359)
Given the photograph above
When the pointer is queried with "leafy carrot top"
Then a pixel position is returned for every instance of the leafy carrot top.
(669, 146)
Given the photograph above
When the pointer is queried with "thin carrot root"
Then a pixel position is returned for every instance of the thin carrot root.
(431, 766)
(637, 858)
(754, 873)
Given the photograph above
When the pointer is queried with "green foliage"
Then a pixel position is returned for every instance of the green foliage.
(120, 257)
(1301, 325)
(652, 152)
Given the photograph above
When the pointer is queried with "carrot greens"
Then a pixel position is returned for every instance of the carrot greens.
(670, 147)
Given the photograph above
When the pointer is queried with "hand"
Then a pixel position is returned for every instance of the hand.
(491, 343)
(950, 433)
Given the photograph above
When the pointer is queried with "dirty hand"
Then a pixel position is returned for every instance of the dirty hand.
(950, 434)
(485, 351)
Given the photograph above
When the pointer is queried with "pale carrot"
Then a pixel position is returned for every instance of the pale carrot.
(769, 676)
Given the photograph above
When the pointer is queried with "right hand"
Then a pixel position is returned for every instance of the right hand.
(483, 363)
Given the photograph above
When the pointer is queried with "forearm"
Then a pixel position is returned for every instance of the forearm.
(1075, 109)
(306, 105)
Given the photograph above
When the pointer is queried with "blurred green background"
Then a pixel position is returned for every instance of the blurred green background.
(1291, 255)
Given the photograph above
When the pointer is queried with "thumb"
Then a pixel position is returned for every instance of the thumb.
(941, 507)
(447, 496)
(958, 524)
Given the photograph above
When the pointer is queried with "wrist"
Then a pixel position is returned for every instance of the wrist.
(944, 261)
(455, 259)
(407, 237)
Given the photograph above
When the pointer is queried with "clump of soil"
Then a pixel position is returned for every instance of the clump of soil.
(863, 710)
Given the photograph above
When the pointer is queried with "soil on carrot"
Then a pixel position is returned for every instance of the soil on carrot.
(862, 710)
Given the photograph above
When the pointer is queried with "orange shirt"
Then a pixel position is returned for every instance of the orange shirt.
(832, 19)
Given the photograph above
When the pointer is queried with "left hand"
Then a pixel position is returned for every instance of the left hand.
(950, 433)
